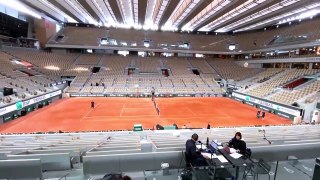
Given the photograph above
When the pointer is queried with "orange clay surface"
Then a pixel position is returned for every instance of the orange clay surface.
(75, 114)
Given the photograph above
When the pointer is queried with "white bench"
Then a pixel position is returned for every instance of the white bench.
(55, 161)
(123, 151)
(101, 164)
(20, 169)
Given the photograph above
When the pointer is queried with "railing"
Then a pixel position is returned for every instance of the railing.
(281, 57)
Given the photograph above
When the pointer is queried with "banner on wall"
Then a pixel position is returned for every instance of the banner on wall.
(21, 104)
(272, 105)
(7, 109)
(136, 95)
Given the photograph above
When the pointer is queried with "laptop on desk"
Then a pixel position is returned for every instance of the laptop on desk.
(213, 147)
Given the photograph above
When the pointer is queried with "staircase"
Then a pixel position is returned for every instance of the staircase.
(76, 60)
(215, 72)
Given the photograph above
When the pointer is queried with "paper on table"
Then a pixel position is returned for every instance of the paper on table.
(235, 155)
(199, 146)
(232, 150)
(220, 147)
(222, 159)
(209, 155)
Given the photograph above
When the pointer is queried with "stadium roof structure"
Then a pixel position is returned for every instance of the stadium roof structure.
(176, 15)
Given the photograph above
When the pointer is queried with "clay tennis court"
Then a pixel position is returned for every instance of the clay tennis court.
(75, 114)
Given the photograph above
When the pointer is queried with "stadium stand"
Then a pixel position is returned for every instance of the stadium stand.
(99, 153)
(313, 98)
(202, 65)
(42, 61)
(88, 59)
(289, 97)
(148, 65)
(113, 78)
(168, 49)
(25, 82)
(185, 82)
(71, 36)
(266, 88)
(228, 69)
(258, 40)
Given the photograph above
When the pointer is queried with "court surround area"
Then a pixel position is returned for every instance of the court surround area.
(76, 114)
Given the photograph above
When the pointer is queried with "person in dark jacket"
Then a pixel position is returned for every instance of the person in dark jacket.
(92, 104)
(209, 126)
(238, 144)
(258, 114)
(263, 114)
(194, 156)
(153, 91)
(175, 125)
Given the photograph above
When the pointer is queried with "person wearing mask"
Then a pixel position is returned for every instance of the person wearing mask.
(238, 144)
(192, 155)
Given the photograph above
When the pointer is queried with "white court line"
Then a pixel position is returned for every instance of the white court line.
(226, 115)
(197, 117)
(190, 111)
(212, 115)
(140, 107)
(89, 112)
(111, 119)
(55, 106)
(152, 115)
(200, 115)
(86, 114)
(49, 108)
(120, 117)
(122, 109)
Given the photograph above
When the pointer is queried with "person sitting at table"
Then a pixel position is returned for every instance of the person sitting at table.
(237, 143)
(192, 155)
